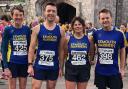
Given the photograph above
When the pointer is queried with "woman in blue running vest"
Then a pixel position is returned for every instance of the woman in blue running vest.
(77, 66)
(18, 37)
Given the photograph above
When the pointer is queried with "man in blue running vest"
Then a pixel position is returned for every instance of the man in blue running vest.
(110, 42)
(50, 43)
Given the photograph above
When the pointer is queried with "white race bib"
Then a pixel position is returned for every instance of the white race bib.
(20, 48)
(46, 57)
(105, 55)
(78, 57)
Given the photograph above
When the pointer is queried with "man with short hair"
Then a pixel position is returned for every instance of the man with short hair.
(109, 42)
(49, 53)
(17, 37)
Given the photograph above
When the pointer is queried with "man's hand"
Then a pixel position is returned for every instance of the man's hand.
(122, 73)
(92, 62)
(60, 72)
(0, 56)
(6, 74)
(30, 70)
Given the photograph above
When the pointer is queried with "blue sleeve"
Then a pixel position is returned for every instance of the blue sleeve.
(4, 48)
(122, 41)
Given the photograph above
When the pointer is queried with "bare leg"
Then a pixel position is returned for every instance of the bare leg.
(12, 83)
(36, 84)
(70, 85)
(82, 85)
(51, 84)
(22, 83)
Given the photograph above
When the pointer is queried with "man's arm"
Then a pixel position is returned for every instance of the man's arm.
(92, 50)
(32, 47)
(122, 60)
(122, 53)
(61, 50)
(33, 43)
(4, 47)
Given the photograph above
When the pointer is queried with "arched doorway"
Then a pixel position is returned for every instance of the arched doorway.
(66, 12)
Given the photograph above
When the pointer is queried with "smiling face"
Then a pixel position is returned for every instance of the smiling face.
(18, 17)
(105, 20)
(50, 13)
(78, 27)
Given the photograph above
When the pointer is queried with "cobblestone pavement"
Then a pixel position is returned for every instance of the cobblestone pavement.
(61, 83)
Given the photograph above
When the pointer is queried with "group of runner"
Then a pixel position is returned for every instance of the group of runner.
(53, 47)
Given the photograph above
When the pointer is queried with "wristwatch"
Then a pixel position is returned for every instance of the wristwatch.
(30, 64)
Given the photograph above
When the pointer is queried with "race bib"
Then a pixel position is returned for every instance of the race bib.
(46, 58)
(78, 57)
(105, 55)
(20, 48)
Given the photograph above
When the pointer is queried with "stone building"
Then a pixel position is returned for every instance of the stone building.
(119, 10)
(88, 9)
(6, 5)
(3, 6)
(67, 9)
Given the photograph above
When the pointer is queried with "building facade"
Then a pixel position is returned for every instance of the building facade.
(67, 9)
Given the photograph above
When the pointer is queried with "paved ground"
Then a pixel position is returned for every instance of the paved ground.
(61, 83)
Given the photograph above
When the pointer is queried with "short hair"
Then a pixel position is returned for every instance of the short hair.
(124, 24)
(5, 17)
(18, 7)
(49, 3)
(105, 11)
(80, 20)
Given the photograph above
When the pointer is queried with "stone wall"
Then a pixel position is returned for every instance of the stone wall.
(101, 4)
(87, 7)
(125, 11)
(119, 9)
(90, 8)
